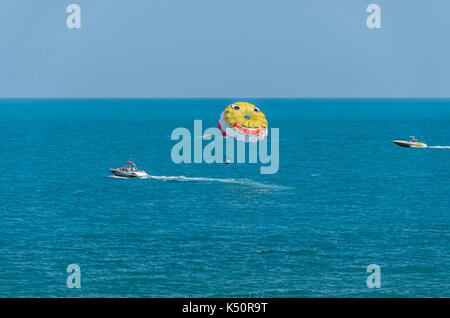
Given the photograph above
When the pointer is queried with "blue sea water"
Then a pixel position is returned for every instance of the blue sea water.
(344, 197)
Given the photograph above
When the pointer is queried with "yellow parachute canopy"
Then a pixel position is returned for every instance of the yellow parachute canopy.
(243, 121)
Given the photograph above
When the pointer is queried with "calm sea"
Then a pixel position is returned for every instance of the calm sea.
(344, 197)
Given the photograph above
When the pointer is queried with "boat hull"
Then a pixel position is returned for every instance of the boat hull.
(410, 144)
(129, 174)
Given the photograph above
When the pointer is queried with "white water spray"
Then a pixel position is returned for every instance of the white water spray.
(247, 182)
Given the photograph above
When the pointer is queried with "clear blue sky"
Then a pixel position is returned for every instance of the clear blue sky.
(224, 48)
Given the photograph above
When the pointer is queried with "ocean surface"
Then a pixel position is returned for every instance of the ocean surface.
(344, 197)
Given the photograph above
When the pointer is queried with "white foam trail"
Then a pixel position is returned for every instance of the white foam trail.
(248, 182)
(203, 179)
(440, 147)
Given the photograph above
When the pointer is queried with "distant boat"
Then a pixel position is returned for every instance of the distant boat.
(411, 143)
(129, 170)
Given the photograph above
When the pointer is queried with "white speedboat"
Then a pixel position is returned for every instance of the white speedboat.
(129, 171)
(411, 143)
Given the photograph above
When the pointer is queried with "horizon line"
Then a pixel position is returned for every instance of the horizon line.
(247, 97)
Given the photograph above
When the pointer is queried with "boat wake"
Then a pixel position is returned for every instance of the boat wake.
(248, 182)
(439, 147)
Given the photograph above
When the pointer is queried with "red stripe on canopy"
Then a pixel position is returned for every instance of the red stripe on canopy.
(221, 132)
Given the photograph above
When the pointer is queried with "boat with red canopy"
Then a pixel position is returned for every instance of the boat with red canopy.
(129, 170)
